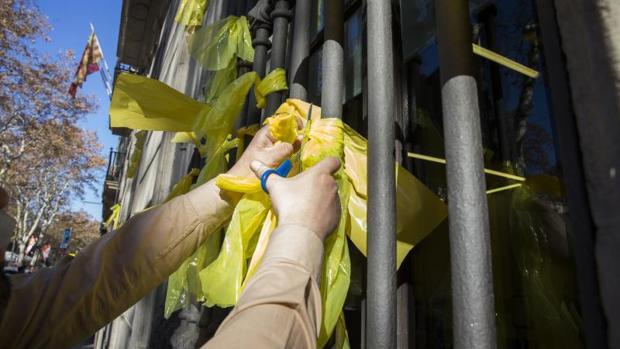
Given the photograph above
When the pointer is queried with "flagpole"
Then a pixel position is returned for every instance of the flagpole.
(105, 71)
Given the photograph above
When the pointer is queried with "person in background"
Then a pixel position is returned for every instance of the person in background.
(61, 306)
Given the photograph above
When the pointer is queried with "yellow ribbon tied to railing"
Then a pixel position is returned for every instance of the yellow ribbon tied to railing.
(136, 154)
(215, 45)
(418, 212)
(113, 221)
(191, 13)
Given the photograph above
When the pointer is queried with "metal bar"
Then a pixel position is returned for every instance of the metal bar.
(298, 77)
(333, 60)
(381, 281)
(261, 45)
(470, 251)
(280, 15)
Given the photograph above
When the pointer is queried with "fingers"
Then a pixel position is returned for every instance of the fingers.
(282, 151)
(328, 165)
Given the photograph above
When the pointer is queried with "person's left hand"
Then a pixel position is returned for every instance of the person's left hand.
(265, 149)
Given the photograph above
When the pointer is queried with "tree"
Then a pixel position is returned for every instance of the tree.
(33, 86)
(84, 229)
(45, 158)
(58, 164)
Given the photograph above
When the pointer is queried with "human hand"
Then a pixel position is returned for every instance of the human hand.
(309, 199)
(265, 149)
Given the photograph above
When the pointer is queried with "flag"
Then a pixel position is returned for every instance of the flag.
(89, 63)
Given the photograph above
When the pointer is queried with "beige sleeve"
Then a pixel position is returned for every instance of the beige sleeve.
(60, 306)
(281, 305)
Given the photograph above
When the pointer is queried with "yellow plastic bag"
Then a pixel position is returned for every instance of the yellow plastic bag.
(274, 81)
(113, 221)
(215, 46)
(177, 291)
(418, 209)
(222, 279)
(136, 154)
(141, 103)
(219, 81)
(191, 12)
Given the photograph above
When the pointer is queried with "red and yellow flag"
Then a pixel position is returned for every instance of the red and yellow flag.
(89, 63)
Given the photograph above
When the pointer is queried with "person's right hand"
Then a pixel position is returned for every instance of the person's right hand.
(309, 199)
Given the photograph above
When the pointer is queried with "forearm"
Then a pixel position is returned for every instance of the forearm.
(56, 307)
(281, 305)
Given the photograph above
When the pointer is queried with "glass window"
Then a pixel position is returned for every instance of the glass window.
(353, 55)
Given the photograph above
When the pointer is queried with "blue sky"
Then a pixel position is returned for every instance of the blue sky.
(70, 21)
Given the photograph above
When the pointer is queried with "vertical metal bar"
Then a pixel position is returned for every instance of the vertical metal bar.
(381, 284)
(280, 15)
(298, 77)
(333, 60)
(470, 252)
(261, 45)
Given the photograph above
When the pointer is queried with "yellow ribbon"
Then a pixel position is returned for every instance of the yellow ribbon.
(506, 62)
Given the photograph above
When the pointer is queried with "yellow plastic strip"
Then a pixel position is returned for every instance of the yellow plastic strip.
(507, 187)
(487, 171)
(506, 62)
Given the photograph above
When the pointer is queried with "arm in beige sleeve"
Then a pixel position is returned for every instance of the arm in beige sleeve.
(57, 307)
(281, 305)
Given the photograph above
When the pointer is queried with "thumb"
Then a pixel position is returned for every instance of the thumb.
(259, 168)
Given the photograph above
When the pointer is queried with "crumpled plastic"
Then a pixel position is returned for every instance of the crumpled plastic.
(546, 280)
(141, 103)
(136, 154)
(179, 286)
(114, 219)
(419, 212)
(215, 46)
(191, 13)
(274, 81)
(220, 79)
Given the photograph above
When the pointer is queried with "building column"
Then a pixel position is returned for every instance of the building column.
(470, 248)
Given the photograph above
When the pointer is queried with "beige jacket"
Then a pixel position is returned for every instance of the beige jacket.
(61, 306)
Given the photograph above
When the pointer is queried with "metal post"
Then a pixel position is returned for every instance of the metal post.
(298, 77)
(333, 60)
(280, 16)
(470, 252)
(381, 286)
(261, 44)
